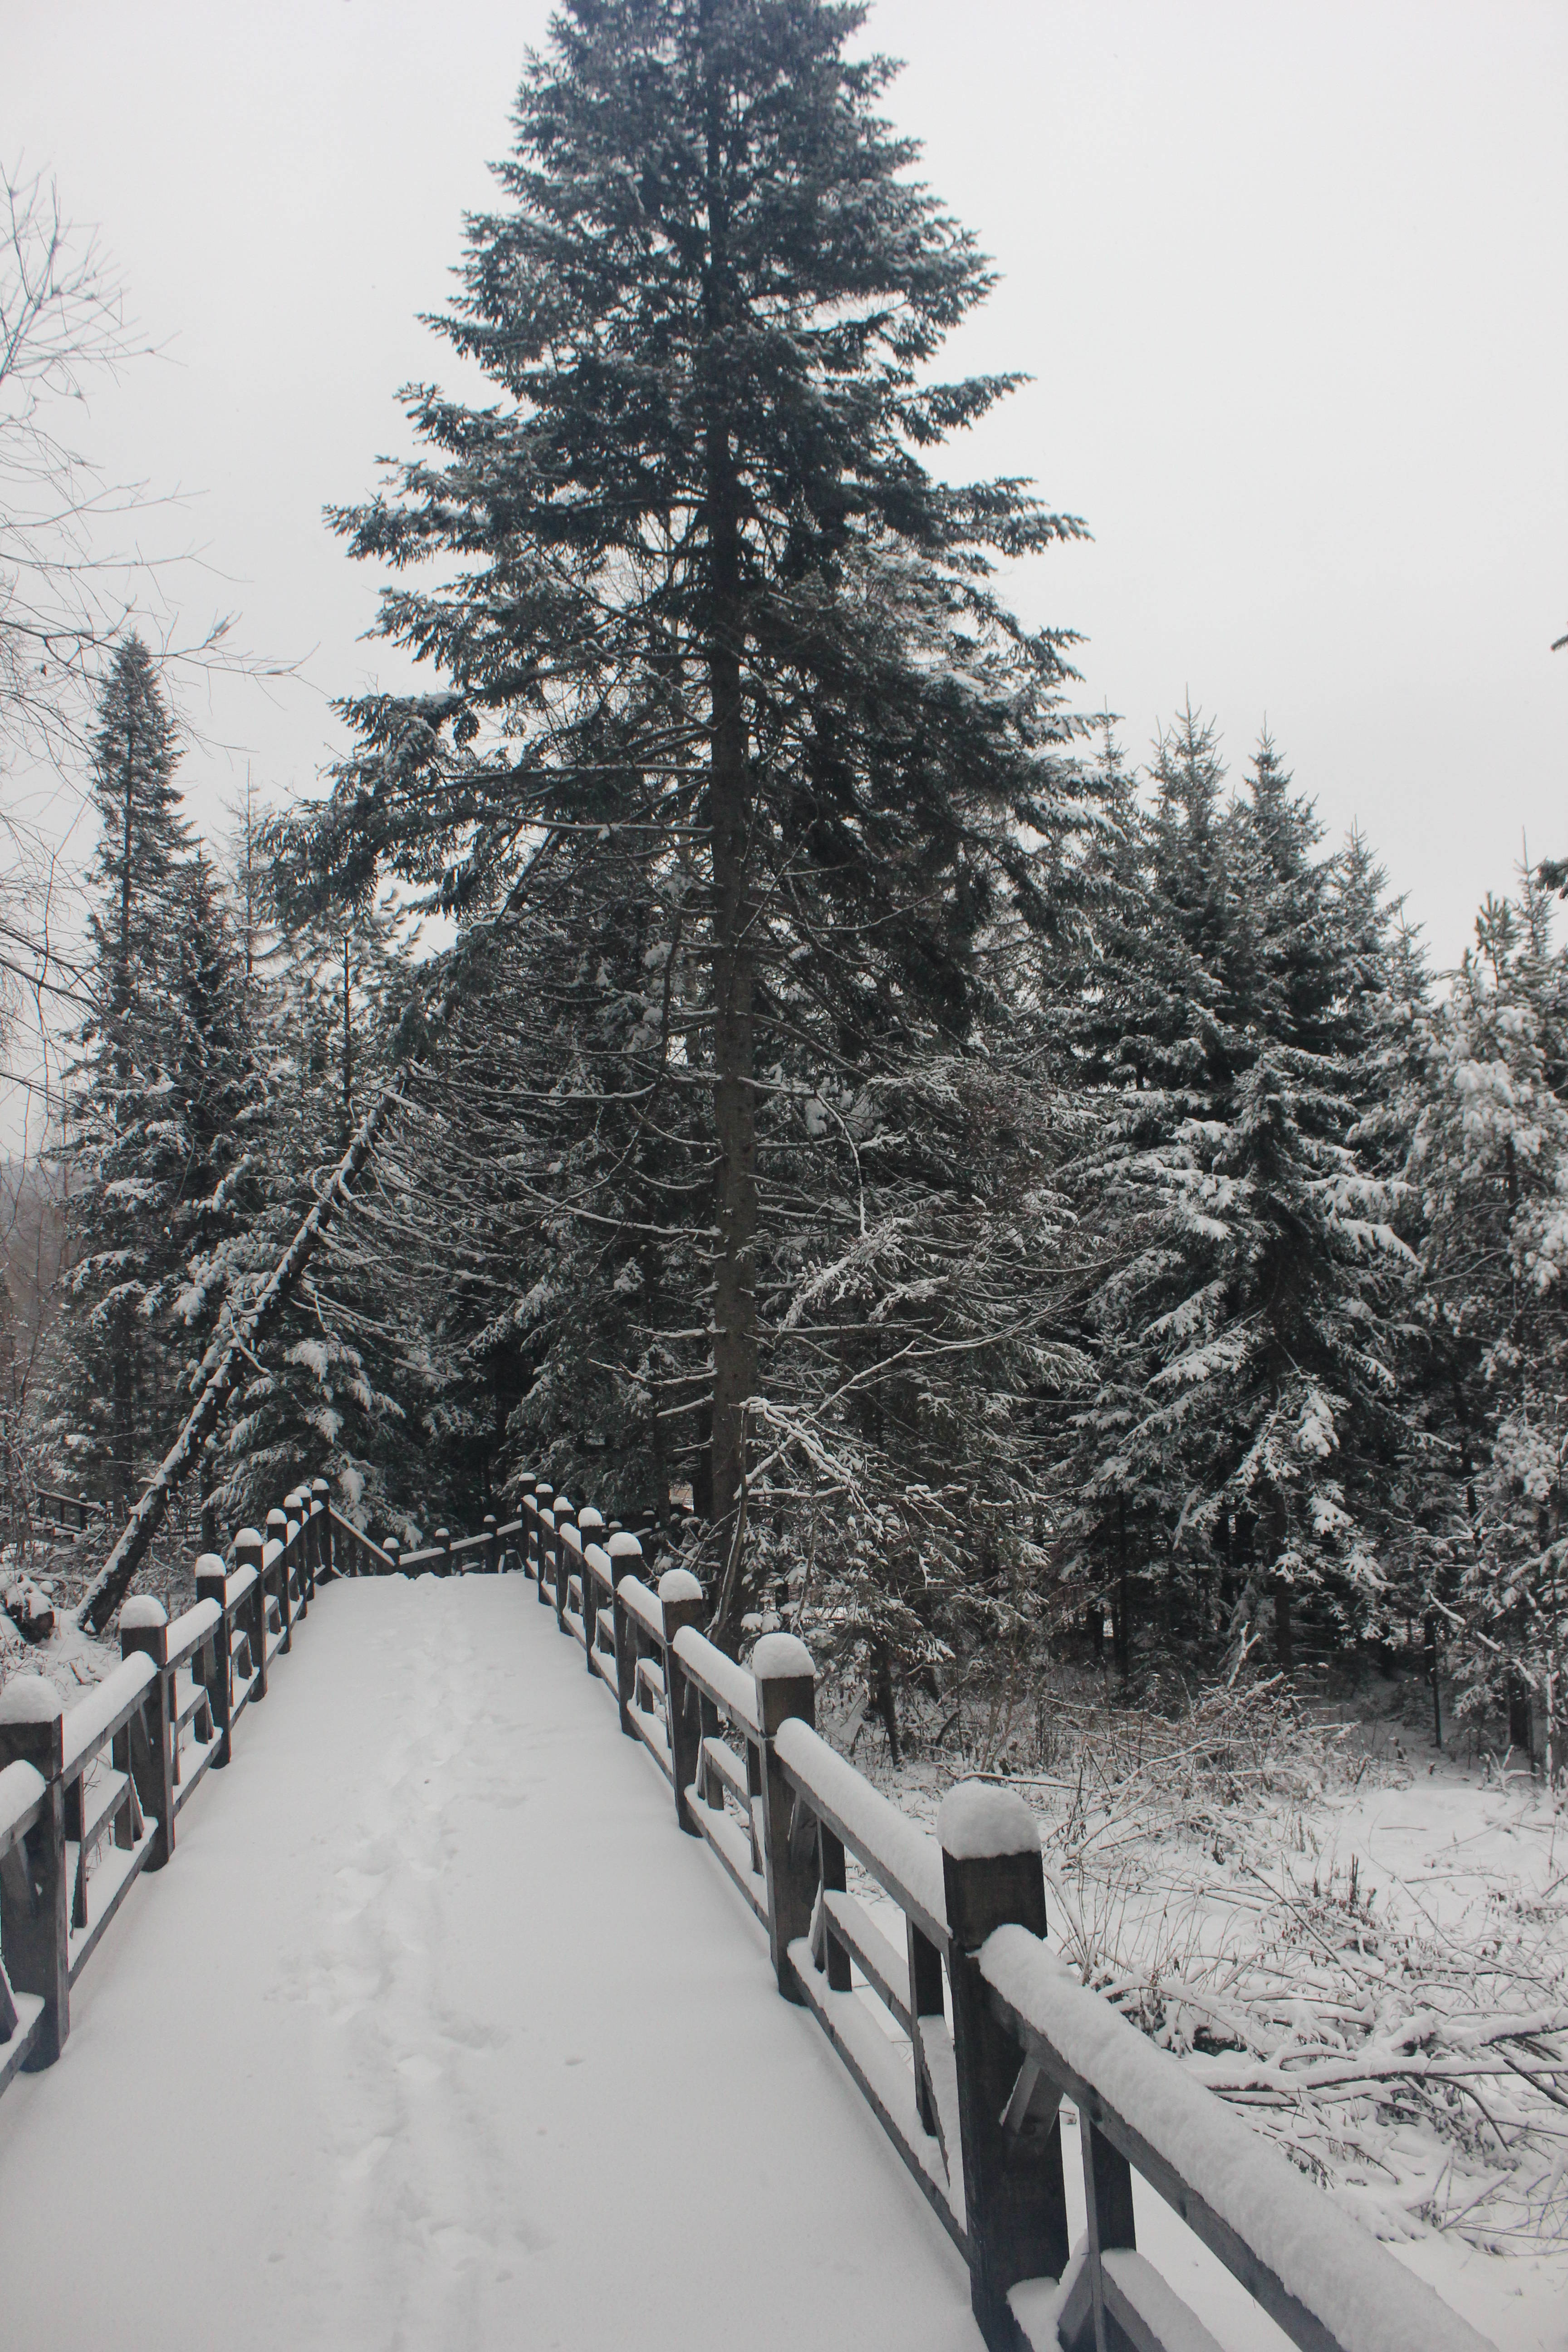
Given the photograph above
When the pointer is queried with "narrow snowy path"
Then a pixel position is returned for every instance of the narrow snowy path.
(437, 2033)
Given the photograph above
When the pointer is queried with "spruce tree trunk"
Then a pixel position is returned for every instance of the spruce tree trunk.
(1284, 1640)
(734, 1105)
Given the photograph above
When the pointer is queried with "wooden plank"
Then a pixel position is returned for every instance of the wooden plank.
(874, 1953)
(734, 1848)
(121, 1867)
(651, 1731)
(904, 1859)
(885, 2082)
(719, 1679)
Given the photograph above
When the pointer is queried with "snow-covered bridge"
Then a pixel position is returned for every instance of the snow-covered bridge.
(437, 2033)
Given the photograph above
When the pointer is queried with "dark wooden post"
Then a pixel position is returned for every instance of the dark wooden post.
(926, 2000)
(307, 1551)
(539, 1538)
(215, 1662)
(831, 1847)
(785, 1676)
(444, 1538)
(144, 1626)
(492, 1548)
(322, 1503)
(249, 1550)
(1014, 2193)
(625, 1559)
(681, 1602)
(297, 1523)
(276, 1564)
(34, 1927)
(590, 1529)
(1107, 2205)
(563, 1514)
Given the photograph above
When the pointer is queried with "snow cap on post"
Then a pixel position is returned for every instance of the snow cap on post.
(589, 1517)
(210, 1563)
(622, 1546)
(144, 1609)
(783, 1657)
(677, 1584)
(248, 1535)
(978, 1821)
(991, 1873)
(30, 1698)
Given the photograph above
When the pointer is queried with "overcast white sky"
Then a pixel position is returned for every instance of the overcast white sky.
(1290, 280)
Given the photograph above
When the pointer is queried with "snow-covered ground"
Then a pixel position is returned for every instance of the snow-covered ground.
(437, 2033)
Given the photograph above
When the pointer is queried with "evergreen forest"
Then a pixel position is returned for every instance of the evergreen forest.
(985, 1192)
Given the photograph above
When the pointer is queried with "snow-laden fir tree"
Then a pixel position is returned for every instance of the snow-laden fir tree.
(1244, 1432)
(702, 609)
(123, 1138)
(1490, 1161)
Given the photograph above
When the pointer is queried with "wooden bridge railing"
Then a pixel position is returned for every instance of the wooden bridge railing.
(90, 1796)
(986, 2032)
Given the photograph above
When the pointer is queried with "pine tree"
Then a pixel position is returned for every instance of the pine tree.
(711, 614)
(1491, 1160)
(1242, 1431)
(123, 1139)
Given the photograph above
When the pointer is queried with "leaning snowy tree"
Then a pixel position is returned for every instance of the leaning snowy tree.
(705, 620)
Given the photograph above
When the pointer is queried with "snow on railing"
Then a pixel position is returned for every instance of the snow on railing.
(90, 1797)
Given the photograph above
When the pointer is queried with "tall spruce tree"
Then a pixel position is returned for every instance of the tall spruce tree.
(122, 1135)
(1489, 1104)
(706, 612)
(1243, 1432)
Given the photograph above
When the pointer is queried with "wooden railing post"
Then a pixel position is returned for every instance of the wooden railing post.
(786, 1674)
(249, 1549)
(144, 1626)
(321, 1520)
(492, 1548)
(562, 1513)
(625, 1559)
(394, 1551)
(293, 1578)
(539, 1536)
(1015, 2196)
(34, 1925)
(681, 1602)
(444, 1538)
(214, 1663)
(590, 1529)
(277, 1533)
(307, 1551)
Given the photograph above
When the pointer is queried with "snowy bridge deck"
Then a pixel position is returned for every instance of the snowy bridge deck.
(438, 2034)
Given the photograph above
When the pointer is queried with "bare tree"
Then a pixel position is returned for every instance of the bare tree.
(70, 583)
